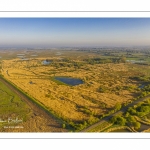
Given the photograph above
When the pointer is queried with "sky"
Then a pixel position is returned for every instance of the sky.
(74, 32)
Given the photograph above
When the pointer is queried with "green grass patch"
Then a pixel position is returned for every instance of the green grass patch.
(100, 127)
(11, 106)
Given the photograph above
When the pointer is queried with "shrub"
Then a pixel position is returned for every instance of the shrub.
(63, 125)
(136, 125)
(131, 119)
(132, 111)
(118, 120)
(117, 106)
(102, 89)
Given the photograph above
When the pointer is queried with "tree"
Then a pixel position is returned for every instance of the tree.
(118, 120)
(132, 111)
(131, 119)
(127, 114)
(121, 121)
(117, 106)
(63, 125)
(144, 109)
(136, 125)
(102, 89)
(85, 123)
(123, 59)
(113, 119)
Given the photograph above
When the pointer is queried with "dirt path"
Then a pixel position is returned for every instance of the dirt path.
(40, 120)
(124, 109)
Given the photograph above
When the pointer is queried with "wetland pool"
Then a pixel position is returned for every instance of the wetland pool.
(69, 81)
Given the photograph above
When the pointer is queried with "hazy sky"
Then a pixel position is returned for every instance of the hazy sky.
(67, 32)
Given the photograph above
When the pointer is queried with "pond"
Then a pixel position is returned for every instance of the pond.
(45, 62)
(70, 81)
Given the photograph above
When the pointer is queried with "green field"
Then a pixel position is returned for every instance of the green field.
(12, 107)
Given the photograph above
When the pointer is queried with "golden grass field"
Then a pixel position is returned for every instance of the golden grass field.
(32, 119)
(73, 103)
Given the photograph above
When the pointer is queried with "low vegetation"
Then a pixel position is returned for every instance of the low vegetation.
(110, 82)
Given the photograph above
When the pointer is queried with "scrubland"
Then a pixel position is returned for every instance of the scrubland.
(104, 86)
(107, 83)
(17, 116)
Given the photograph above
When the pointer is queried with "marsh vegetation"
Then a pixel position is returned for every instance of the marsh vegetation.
(104, 82)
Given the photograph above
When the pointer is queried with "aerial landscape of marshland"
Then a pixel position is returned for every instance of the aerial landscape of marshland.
(89, 75)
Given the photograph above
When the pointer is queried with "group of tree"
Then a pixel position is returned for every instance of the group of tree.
(118, 120)
(140, 110)
(68, 64)
(128, 120)
(93, 61)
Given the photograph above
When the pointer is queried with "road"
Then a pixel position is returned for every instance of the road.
(122, 110)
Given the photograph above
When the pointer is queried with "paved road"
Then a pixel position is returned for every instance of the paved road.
(122, 110)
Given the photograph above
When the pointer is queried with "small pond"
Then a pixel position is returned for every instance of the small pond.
(45, 62)
(70, 81)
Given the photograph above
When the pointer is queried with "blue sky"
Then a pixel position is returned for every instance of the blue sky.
(74, 32)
